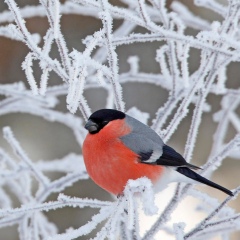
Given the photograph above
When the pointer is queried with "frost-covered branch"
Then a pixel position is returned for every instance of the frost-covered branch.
(98, 64)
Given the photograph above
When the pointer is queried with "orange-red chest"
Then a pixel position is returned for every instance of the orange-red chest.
(110, 163)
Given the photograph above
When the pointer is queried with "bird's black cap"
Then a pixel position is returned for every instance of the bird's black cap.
(107, 115)
(101, 118)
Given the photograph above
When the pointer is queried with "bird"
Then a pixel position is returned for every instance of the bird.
(118, 148)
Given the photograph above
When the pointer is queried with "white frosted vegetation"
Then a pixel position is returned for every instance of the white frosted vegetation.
(97, 66)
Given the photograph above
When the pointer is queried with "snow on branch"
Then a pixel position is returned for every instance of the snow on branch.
(22, 155)
(99, 65)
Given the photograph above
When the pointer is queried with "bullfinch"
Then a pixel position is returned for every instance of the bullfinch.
(119, 147)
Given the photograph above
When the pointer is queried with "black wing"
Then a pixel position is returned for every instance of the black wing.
(172, 158)
(145, 156)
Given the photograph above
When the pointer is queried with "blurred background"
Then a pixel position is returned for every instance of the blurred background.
(43, 140)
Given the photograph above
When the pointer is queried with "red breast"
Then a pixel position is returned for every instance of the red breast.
(110, 163)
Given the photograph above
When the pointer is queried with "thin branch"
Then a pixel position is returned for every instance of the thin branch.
(8, 134)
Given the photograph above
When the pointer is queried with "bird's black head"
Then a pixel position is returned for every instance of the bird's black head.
(101, 118)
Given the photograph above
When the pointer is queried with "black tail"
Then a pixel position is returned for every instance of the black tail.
(188, 165)
(191, 174)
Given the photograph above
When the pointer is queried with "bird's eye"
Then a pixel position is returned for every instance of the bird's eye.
(105, 123)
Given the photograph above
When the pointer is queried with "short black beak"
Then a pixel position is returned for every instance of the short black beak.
(91, 126)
